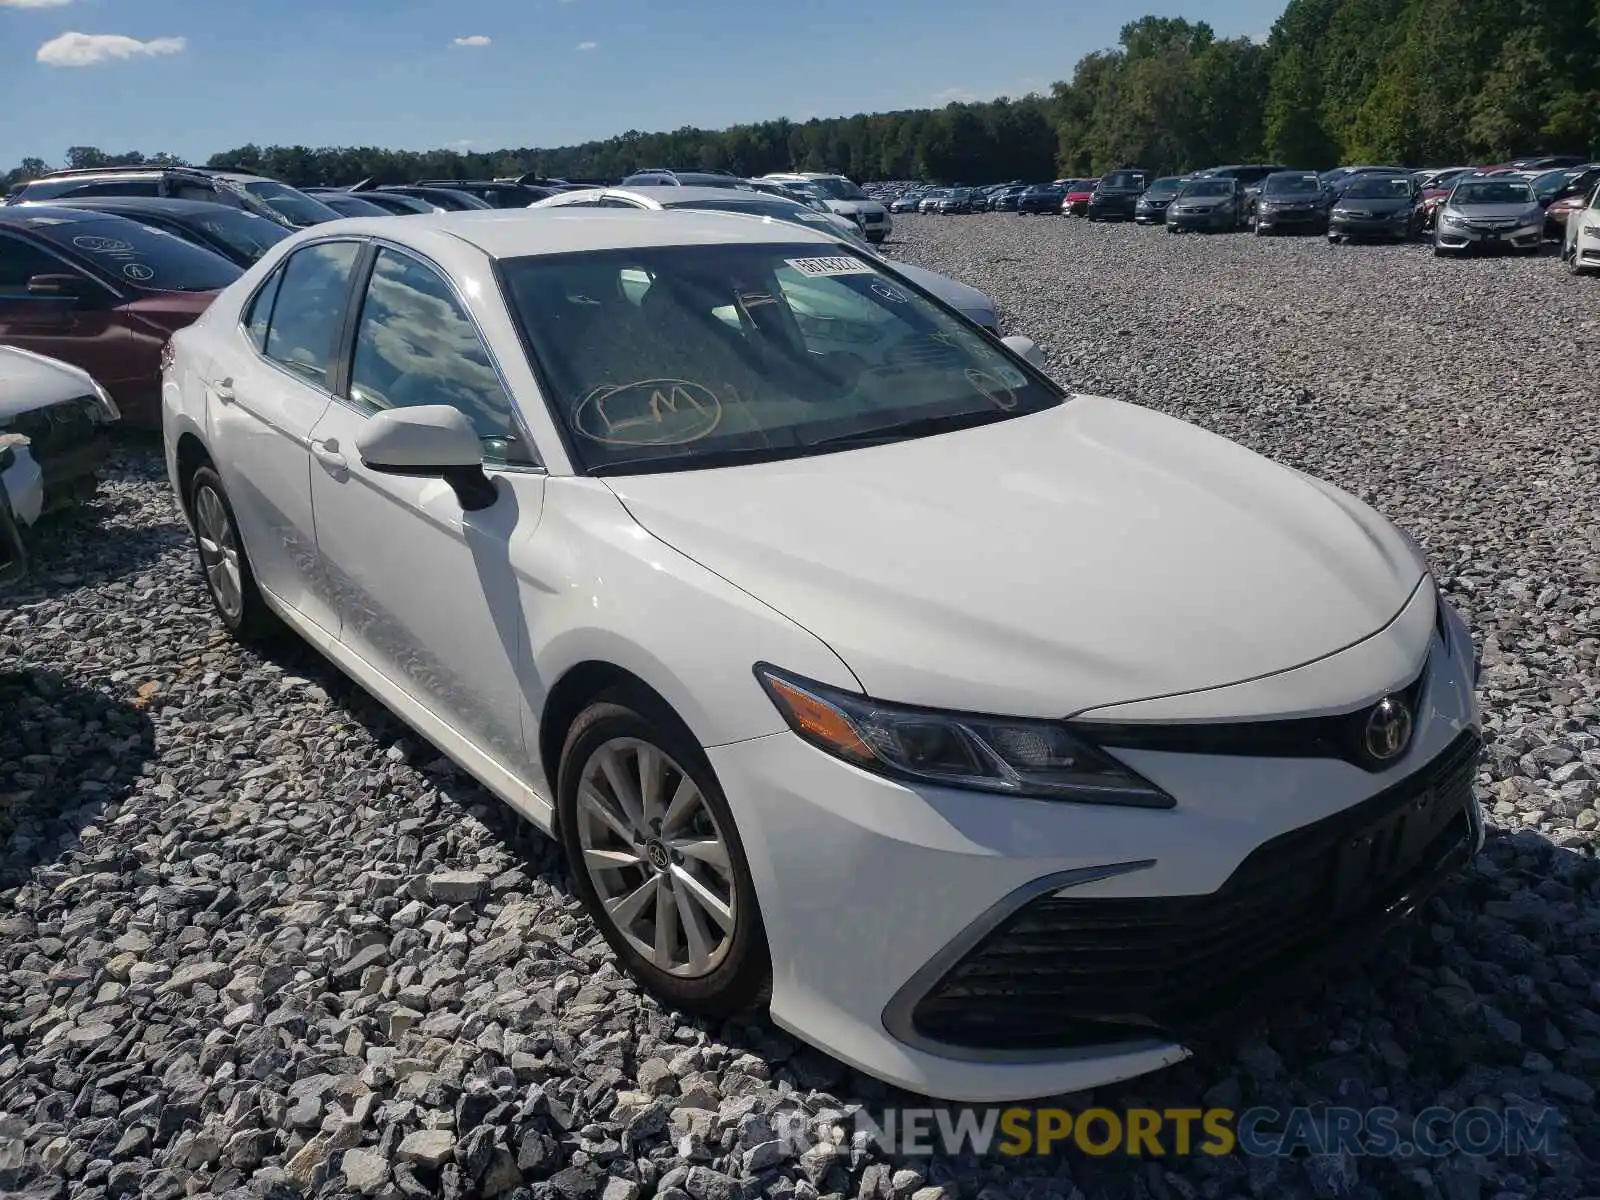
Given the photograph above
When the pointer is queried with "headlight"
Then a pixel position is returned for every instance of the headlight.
(1019, 757)
(1450, 218)
(1591, 231)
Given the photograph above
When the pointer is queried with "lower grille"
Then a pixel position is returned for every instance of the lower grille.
(1063, 972)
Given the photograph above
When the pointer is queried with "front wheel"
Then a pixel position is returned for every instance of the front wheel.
(223, 561)
(656, 858)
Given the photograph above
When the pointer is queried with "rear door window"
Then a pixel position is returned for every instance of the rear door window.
(309, 309)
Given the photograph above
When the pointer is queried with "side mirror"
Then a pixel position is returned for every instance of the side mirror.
(429, 441)
(1025, 348)
(72, 287)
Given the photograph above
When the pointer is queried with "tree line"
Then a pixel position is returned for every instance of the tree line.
(1413, 82)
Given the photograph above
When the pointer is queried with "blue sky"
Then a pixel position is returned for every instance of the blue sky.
(192, 77)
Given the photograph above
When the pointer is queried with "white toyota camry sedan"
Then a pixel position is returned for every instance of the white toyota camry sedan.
(999, 740)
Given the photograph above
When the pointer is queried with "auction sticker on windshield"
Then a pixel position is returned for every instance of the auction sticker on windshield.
(816, 267)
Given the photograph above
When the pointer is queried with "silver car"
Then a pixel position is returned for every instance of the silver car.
(1498, 212)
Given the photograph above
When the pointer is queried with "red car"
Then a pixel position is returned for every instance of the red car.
(103, 293)
(1079, 192)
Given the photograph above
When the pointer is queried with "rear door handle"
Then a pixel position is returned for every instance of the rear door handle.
(328, 455)
(223, 390)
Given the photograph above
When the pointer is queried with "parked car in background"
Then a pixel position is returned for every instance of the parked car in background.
(254, 193)
(1376, 207)
(240, 237)
(1250, 177)
(906, 202)
(496, 193)
(955, 201)
(54, 418)
(1041, 199)
(1007, 198)
(102, 293)
(1546, 162)
(1580, 236)
(663, 177)
(969, 301)
(1495, 213)
(390, 202)
(846, 199)
(1291, 202)
(1213, 203)
(348, 204)
(930, 199)
(1076, 197)
(445, 199)
(1117, 194)
(1572, 195)
(1151, 208)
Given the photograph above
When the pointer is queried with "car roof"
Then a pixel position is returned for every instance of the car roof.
(517, 232)
(50, 214)
(152, 204)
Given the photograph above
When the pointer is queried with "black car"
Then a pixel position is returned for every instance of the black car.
(496, 193)
(1292, 202)
(348, 204)
(1210, 202)
(388, 202)
(1116, 196)
(1041, 198)
(1005, 200)
(1250, 177)
(446, 198)
(1380, 207)
(240, 237)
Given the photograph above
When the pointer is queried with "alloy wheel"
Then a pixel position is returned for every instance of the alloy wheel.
(219, 553)
(656, 857)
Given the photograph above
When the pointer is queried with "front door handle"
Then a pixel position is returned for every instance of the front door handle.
(327, 452)
(223, 390)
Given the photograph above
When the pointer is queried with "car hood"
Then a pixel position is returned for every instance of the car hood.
(967, 300)
(29, 381)
(1493, 212)
(1092, 554)
(1117, 193)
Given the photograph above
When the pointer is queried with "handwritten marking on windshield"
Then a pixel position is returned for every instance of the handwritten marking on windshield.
(651, 412)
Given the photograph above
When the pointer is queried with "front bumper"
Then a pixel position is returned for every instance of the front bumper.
(1369, 227)
(1274, 220)
(1112, 210)
(1210, 219)
(1075, 208)
(1150, 214)
(906, 924)
(1455, 237)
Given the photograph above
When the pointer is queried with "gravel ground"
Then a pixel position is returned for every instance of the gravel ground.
(255, 937)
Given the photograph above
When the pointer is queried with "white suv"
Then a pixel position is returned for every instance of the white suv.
(844, 198)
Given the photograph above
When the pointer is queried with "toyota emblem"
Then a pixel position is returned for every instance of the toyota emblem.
(1388, 730)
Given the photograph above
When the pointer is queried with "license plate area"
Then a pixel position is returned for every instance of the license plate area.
(1376, 858)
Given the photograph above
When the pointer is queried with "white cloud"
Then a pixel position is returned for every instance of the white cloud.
(33, 3)
(955, 95)
(476, 39)
(587, 45)
(90, 49)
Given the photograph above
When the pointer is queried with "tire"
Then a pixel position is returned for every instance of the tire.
(710, 970)
(1262, 231)
(1334, 239)
(224, 564)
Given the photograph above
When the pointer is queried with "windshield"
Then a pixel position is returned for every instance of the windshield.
(1378, 188)
(354, 206)
(297, 206)
(244, 233)
(1209, 187)
(675, 358)
(140, 256)
(838, 188)
(1291, 185)
(1496, 191)
(1123, 180)
(1552, 182)
(1046, 189)
(1165, 187)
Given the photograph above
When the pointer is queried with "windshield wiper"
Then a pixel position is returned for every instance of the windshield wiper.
(694, 460)
(915, 428)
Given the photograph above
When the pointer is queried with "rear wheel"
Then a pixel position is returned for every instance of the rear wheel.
(229, 579)
(656, 858)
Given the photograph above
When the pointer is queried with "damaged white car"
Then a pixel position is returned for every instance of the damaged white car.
(54, 419)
